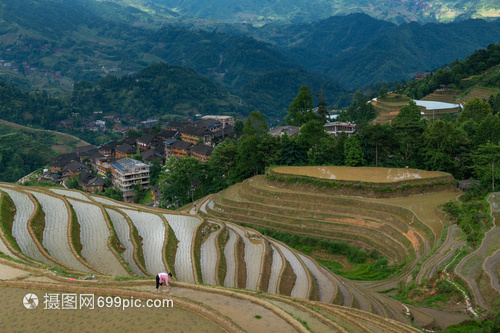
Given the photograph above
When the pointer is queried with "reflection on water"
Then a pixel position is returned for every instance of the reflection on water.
(360, 174)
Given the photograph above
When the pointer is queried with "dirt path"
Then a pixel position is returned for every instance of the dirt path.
(8, 272)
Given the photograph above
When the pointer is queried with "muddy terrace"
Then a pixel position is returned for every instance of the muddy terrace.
(363, 174)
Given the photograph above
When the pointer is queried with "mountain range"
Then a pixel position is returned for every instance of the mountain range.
(301, 11)
(51, 44)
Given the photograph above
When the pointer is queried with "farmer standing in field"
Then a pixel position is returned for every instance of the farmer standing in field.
(163, 277)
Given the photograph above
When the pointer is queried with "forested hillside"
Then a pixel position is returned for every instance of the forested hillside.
(480, 69)
(357, 50)
(156, 91)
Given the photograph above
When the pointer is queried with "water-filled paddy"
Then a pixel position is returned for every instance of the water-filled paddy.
(365, 174)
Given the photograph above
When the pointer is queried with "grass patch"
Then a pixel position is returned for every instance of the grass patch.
(331, 265)
(75, 232)
(198, 239)
(257, 316)
(370, 265)
(147, 198)
(222, 240)
(138, 241)
(171, 249)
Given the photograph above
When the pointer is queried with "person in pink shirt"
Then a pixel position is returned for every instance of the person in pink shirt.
(163, 277)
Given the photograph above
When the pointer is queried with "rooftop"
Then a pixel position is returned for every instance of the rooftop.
(127, 164)
(202, 149)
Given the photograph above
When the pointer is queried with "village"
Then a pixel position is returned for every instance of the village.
(127, 162)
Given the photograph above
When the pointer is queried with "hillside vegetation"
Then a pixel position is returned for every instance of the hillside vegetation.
(23, 149)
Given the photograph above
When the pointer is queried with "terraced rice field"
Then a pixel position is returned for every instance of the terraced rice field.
(208, 258)
(24, 209)
(301, 285)
(152, 230)
(94, 236)
(447, 251)
(474, 264)
(184, 228)
(425, 207)
(229, 253)
(400, 232)
(123, 231)
(107, 201)
(276, 270)
(55, 234)
(253, 256)
(71, 194)
(327, 287)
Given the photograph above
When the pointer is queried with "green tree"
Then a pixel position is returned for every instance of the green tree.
(179, 185)
(255, 124)
(378, 139)
(339, 151)
(383, 92)
(475, 109)
(291, 152)
(300, 110)
(353, 152)
(322, 152)
(238, 127)
(310, 133)
(442, 140)
(322, 110)
(486, 163)
(408, 130)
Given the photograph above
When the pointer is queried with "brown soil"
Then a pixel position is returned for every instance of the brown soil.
(287, 280)
(364, 174)
(355, 221)
(266, 266)
(8, 272)
(411, 237)
(241, 267)
(15, 317)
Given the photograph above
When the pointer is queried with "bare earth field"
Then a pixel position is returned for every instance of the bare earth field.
(364, 174)
(14, 317)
